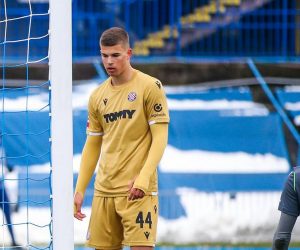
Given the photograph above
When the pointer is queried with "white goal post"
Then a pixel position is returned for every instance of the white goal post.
(60, 58)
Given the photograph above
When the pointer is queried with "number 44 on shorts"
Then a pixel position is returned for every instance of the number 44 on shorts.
(140, 219)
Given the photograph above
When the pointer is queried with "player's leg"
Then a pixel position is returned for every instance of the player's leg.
(139, 218)
(283, 233)
(289, 207)
(4, 202)
(105, 229)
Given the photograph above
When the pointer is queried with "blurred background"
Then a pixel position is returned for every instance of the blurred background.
(231, 73)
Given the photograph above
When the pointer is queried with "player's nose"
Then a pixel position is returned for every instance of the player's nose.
(110, 60)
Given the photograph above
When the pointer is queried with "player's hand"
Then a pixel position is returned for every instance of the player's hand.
(78, 200)
(134, 193)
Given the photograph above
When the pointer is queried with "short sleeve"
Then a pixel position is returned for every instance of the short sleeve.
(156, 103)
(94, 127)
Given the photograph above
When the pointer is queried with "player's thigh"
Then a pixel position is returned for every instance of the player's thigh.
(139, 218)
(289, 200)
(105, 228)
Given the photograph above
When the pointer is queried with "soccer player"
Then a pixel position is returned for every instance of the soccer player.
(289, 206)
(128, 129)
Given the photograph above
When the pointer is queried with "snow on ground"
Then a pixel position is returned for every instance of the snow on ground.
(221, 217)
(187, 104)
(199, 161)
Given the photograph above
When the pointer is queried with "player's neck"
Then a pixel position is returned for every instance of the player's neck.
(125, 77)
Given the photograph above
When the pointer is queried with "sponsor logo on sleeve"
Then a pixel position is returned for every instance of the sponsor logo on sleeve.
(157, 107)
(158, 110)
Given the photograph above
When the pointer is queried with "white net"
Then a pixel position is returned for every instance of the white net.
(25, 184)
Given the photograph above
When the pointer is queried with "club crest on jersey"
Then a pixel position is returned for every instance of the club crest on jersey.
(131, 96)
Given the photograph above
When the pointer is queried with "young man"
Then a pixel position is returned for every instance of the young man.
(289, 206)
(128, 124)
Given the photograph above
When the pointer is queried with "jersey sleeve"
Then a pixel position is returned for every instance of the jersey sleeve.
(156, 104)
(94, 127)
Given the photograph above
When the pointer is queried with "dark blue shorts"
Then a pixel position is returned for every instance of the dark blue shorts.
(290, 197)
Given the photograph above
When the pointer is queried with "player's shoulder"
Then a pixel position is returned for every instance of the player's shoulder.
(100, 89)
(149, 81)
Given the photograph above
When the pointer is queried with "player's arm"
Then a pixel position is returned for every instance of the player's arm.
(159, 132)
(89, 159)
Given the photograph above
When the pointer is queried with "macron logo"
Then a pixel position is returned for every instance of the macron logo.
(123, 114)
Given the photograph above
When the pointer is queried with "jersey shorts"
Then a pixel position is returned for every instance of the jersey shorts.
(116, 221)
(290, 196)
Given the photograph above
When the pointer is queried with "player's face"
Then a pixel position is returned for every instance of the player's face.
(115, 59)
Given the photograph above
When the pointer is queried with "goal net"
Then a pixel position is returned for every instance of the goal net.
(36, 125)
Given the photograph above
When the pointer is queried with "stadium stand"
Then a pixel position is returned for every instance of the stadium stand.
(172, 28)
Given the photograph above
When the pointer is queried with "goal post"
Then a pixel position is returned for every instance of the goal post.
(60, 58)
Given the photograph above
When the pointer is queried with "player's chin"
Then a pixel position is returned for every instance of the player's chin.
(111, 72)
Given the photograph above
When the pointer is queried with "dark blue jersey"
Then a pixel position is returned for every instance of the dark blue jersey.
(290, 197)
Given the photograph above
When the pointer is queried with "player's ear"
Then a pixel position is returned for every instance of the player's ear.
(129, 53)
